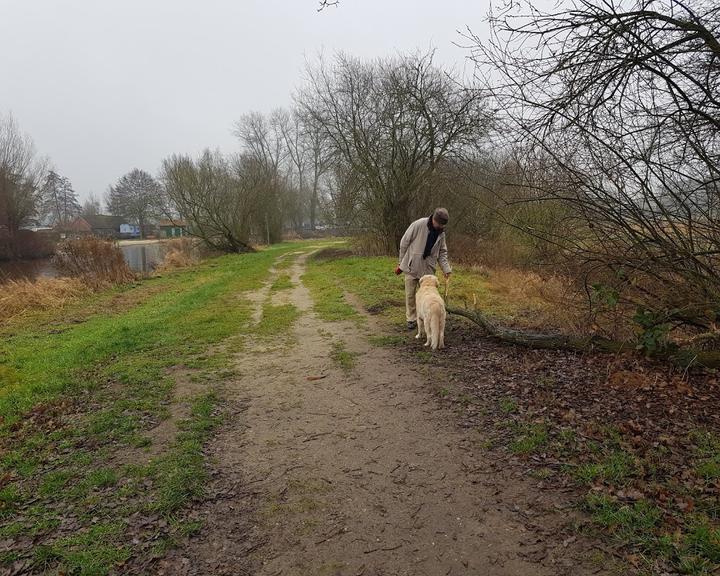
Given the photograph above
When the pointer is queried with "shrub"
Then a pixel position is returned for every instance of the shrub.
(97, 262)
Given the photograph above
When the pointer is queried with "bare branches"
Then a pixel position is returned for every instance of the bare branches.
(326, 3)
(392, 123)
(136, 196)
(21, 175)
(620, 102)
(59, 202)
(216, 196)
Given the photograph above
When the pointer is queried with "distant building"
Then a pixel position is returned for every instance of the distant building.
(173, 228)
(98, 225)
(130, 230)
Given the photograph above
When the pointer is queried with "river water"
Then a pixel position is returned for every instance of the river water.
(141, 257)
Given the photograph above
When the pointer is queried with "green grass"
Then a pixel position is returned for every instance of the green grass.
(529, 438)
(615, 466)
(707, 454)
(508, 405)
(284, 263)
(54, 482)
(342, 357)
(692, 546)
(182, 473)
(89, 552)
(371, 279)
(102, 478)
(282, 282)
(80, 385)
(195, 308)
(277, 320)
(330, 303)
(628, 522)
(386, 341)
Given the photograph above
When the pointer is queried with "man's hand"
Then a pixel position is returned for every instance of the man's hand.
(398, 271)
(447, 275)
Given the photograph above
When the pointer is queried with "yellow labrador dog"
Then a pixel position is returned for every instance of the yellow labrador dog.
(430, 312)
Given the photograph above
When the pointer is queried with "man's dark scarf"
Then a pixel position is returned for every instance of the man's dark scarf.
(431, 239)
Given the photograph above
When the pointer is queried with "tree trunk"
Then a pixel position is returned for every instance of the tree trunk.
(681, 357)
(313, 203)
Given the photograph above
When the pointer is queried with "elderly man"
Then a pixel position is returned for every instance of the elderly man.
(421, 248)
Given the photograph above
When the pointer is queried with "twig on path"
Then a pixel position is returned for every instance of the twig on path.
(292, 468)
(386, 549)
(332, 535)
(316, 436)
(349, 400)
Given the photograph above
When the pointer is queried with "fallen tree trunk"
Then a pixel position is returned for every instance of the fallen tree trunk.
(681, 357)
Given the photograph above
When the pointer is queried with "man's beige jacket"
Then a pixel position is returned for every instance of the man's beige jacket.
(412, 247)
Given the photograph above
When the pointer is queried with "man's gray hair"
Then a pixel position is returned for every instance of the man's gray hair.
(441, 216)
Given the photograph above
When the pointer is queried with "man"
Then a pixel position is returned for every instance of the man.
(421, 248)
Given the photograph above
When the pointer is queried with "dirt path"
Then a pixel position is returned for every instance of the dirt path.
(329, 470)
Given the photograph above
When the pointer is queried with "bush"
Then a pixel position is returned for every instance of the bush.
(180, 253)
(96, 262)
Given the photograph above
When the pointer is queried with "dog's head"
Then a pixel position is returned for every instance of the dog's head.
(429, 280)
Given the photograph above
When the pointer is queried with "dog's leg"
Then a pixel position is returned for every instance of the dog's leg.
(434, 332)
(428, 331)
(420, 327)
(441, 343)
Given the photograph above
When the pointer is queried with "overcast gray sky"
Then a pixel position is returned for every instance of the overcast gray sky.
(104, 86)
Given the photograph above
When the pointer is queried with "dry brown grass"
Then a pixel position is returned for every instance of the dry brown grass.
(368, 245)
(180, 253)
(559, 302)
(89, 264)
(543, 302)
(97, 262)
(548, 301)
(18, 297)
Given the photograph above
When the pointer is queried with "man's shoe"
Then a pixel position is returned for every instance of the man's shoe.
(411, 325)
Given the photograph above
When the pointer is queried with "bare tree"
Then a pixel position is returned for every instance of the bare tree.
(91, 206)
(59, 204)
(309, 157)
(319, 158)
(215, 196)
(392, 122)
(264, 154)
(21, 174)
(618, 102)
(296, 158)
(136, 196)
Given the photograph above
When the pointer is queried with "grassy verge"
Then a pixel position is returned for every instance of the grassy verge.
(382, 292)
(100, 458)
